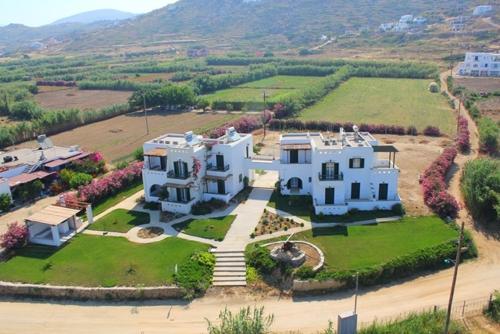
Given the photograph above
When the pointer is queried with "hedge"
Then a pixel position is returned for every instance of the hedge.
(463, 140)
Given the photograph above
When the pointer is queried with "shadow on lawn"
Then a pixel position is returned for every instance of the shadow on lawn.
(337, 230)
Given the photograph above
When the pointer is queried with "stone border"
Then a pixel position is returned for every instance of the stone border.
(316, 286)
(8, 289)
(321, 255)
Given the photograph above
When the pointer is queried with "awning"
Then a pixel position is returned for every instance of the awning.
(60, 162)
(216, 177)
(175, 185)
(156, 152)
(52, 215)
(384, 148)
(296, 146)
(27, 178)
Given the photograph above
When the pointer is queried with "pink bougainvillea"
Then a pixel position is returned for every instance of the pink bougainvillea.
(196, 167)
(245, 124)
(463, 140)
(111, 183)
(15, 237)
(96, 157)
(434, 185)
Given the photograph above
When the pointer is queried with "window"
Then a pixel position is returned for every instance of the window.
(240, 177)
(294, 156)
(476, 58)
(357, 163)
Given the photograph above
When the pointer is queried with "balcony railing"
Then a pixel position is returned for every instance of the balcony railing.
(215, 168)
(331, 177)
(180, 176)
(175, 201)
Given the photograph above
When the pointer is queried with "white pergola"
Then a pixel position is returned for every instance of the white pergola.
(53, 225)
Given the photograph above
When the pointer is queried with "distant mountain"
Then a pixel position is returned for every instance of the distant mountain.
(95, 16)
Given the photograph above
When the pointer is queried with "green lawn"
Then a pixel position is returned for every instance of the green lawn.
(120, 220)
(302, 207)
(100, 261)
(357, 247)
(117, 198)
(384, 101)
(213, 228)
(282, 82)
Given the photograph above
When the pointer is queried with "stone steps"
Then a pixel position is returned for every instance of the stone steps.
(230, 268)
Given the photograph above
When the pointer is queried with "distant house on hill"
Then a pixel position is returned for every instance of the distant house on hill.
(482, 10)
(197, 51)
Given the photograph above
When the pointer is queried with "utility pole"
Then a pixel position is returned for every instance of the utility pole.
(264, 94)
(356, 293)
(454, 281)
(145, 113)
(451, 63)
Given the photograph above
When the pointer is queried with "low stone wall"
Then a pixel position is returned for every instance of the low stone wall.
(8, 289)
(316, 286)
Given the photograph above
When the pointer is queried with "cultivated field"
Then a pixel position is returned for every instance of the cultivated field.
(414, 156)
(118, 137)
(479, 85)
(67, 98)
(490, 107)
(275, 88)
(384, 101)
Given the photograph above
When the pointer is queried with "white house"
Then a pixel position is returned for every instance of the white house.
(339, 173)
(482, 10)
(180, 170)
(480, 64)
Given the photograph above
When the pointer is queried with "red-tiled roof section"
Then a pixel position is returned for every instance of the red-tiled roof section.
(27, 177)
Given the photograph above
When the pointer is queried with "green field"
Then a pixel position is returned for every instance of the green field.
(276, 88)
(384, 101)
(100, 261)
(357, 247)
(120, 220)
(212, 228)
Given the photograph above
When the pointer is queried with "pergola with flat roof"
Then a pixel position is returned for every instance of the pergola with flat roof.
(53, 225)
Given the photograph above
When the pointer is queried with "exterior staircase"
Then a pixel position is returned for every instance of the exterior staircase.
(230, 268)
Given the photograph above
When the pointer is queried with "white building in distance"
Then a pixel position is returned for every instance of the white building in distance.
(338, 173)
(482, 10)
(480, 64)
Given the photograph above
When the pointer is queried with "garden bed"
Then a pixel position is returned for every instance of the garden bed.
(271, 222)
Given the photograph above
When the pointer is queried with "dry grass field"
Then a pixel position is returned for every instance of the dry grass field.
(479, 85)
(415, 154)
(490, 107)
(118, 137)
(71, 97)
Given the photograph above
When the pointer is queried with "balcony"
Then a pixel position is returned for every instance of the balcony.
(331, 177)
(183, 179)
(384, 164)
(218, 171)
(176, 206)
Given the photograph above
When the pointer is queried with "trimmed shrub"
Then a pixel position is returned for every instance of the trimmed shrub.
(15, 237)
(305, 272)
(463, 141)
(206, 207)
(433, 87)
(260, 258)
(432, 131)
(195, 275)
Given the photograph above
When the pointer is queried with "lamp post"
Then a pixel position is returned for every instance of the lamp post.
(454, 281)
(356, 293)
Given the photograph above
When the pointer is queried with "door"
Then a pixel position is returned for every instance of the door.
(329, 196)
(355, 190)
(220, 161)
(294, 156)
(383, 189)
(184, 172)
(221, 187)
(176, 168)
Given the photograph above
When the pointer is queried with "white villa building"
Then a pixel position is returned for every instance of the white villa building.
(339, 173)
(480, 64)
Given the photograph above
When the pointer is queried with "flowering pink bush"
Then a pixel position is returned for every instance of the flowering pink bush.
(196, 167)
(434, 185)
(96, 157)
(245, 124)
(432, 131)
(15, 237)
(463, 141)
(101, 188)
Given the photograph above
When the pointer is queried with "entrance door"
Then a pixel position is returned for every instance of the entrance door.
(355, 190)
(221, 187)
(220, 161)
(294, 156)
(329, 196)
(383, 189)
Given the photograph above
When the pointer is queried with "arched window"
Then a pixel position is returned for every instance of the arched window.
(294, 183)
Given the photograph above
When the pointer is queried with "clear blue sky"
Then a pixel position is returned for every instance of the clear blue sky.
(40, 12)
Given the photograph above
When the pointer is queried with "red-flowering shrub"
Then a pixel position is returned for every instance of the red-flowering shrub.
(99, 189)
(15, 237)
(432, 131)
(434, 185)
(463, 141)
(245, 124)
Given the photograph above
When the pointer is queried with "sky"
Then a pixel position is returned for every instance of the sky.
(39, 12)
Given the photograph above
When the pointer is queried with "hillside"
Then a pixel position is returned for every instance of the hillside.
(95, 16)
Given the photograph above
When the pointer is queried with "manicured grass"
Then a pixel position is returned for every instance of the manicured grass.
(100, 261)
(117, 198)
(357, 247)
(384, 101)
(212, 228)
(276, 88)
(120, 220)
(302, 207)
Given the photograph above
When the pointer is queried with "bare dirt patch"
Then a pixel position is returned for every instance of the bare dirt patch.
(150, 232)
(118, 137)
(71, 97)
(490, 107)
(415, 154)
(479, 85)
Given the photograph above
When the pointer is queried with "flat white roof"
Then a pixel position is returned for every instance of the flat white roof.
(52, 215)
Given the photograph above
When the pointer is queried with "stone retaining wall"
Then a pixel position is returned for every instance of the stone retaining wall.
(85, 293)
(316, 286)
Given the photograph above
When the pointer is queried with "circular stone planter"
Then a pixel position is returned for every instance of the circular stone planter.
(308, 251)
(150, 232)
